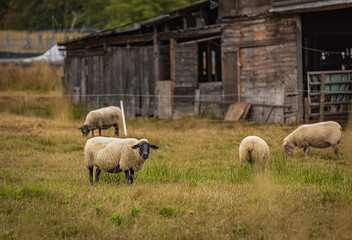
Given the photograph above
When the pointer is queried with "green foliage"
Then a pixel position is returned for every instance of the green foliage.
(116, 218)
(134, 211)
(98, 209)
(64, 14)
(123, 12)
(167, 211)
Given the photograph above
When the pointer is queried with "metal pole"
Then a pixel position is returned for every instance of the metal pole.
(123, 118)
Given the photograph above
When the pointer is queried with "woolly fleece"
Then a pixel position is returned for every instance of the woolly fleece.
(113, 154)
(318, 135)
(255, 150)
(103, 118)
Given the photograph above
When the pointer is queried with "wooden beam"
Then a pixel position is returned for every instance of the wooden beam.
(322, 97)
(156, 53)
(190, 33)
(172, 76)
(299, 67)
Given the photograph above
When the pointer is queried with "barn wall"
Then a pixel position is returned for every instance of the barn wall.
(133, 81)
(186, 78)
(268, 62)
(119, 74)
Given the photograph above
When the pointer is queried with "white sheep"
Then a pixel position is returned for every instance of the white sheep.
(317, 135)
(102, 118)
(116, 155)
(255, 150)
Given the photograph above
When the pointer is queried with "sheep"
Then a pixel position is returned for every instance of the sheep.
(255, 150)
(317, 135)
(114, 155)
(102, 118)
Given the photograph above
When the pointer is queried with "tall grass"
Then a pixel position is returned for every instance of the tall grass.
(40, 77)
(36, 90)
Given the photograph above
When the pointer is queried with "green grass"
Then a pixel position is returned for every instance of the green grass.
(191, 188)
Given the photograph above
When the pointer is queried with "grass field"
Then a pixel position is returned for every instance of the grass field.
(190, 188)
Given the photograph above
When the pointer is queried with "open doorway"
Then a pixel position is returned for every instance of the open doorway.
(209, 61)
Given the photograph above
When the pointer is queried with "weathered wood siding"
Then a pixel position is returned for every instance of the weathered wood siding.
(133, 79)
(186, 78)
(120, 74)
(268, 60)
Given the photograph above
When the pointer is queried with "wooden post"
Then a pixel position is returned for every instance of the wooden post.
(299, 66)
(306, 110)
(156, 53)
(172, 76)
(322, 96)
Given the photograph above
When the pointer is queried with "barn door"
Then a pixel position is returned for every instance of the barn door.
(230, 80)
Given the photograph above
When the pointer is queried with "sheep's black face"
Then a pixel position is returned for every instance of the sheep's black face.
(85, 130)
(144, 149)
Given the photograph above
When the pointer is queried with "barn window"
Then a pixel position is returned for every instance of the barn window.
(209, 61)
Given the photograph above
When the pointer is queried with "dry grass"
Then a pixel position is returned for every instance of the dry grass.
(191, 188)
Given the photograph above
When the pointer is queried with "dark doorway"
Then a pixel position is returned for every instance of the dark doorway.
(209, 61)
(327, 40)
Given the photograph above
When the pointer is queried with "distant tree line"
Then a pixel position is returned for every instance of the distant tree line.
(66, 14)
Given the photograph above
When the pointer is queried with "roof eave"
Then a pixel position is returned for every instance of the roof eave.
(313, 6)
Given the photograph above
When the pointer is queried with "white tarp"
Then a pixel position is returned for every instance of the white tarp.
(52, 55)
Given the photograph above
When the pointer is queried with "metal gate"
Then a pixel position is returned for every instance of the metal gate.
(329, 94)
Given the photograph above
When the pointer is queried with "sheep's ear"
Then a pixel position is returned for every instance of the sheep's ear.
(154, 146)
(80, 128)
(135, 146)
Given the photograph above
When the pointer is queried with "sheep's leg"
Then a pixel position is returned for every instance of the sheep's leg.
(116, 130)
(92, 133)
(127, 176)
(308, 151)
(91, 175)
(97, 174)
(336, 151)
(132, 175)
(99, 131)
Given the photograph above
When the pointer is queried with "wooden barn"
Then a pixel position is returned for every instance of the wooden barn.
(274, 55)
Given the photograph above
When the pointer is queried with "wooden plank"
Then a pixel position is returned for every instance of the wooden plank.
(237, 111)
(306, 110)
(322, 97)
(230, 77)
(164, 99)
(172, 76)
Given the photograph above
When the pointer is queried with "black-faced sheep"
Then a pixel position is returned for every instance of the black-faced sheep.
(102, 118)
(317, 135)
(255, 150)
(116, 155)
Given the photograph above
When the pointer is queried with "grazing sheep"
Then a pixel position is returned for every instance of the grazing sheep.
(255, 150)
(102, 118)
(116, 155)
(317, 135)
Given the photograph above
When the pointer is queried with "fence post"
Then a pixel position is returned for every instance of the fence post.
(322, 96)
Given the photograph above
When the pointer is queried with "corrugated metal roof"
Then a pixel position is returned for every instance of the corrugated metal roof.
(310, 5)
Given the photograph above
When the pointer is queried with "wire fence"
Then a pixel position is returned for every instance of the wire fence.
(262, 108)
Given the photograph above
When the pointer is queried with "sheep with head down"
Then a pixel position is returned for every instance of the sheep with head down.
(102, 118)
(114, 155)
(254, 150)
(317, 135)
